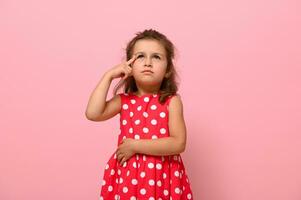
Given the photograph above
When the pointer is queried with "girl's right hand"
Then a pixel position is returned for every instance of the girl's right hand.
(123, 69)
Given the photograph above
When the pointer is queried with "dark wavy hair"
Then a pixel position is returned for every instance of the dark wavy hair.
(169, 85)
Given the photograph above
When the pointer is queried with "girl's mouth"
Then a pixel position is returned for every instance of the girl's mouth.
(147, 71)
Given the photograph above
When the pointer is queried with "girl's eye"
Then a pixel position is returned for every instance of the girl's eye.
(157, 57)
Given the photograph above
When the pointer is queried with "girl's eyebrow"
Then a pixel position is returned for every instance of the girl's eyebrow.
(153, 53)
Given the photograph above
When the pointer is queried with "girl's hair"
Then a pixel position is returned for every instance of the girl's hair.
(169, 84)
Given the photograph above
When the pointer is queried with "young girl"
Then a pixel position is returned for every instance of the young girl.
(146, 164)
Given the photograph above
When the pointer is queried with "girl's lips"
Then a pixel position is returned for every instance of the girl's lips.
(147, 71)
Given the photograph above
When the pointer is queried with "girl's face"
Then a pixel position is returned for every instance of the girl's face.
(150, 64)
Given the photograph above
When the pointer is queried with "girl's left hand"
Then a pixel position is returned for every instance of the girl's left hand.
(125, 150)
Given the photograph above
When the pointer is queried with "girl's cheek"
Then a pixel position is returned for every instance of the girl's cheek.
(139, 61)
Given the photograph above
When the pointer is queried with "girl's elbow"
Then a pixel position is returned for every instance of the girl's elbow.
(182, 147)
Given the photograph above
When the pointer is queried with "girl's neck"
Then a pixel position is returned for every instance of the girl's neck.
(143, 93)
(146, 90)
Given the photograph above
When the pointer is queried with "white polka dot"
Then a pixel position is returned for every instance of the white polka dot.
(125, 106)
(153, 107)
(145, 114)
(134, 181)
(177, 173)
(131, 114)
(144, 157)
(117, 197)
(128, 173)
(143, 191)
(142, 174)
(133, 198)
(124, 164)
(162, 114)
(101, 198)
(115, 156)
(145, 130)
(134, 164)
(150, 165)
(131, 130)
(139, 108)
(151, 182)
(162, 130)
(154, 137)
(110, 188)
(164, 175)
(119, 172)
(158, 166)
(137, 121)
(137, 137)
(124, 137)
(189, 196)
(177, 190)
(107, 166)
(103, 182)
(112, 171)
(125, 189)
(165, 192)
(120, 180)
(154, 122)
(146, 99)
(133, 101)
(124, 122)
(151, 198)
(159, 183)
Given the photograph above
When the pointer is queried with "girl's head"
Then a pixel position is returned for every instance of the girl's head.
(156, 53)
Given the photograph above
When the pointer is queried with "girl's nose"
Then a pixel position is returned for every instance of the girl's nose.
(147, 62)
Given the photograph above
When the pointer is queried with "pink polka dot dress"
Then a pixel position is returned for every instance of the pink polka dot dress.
(145, 177)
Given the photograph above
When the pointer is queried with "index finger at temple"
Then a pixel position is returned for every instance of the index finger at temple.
(131, 60)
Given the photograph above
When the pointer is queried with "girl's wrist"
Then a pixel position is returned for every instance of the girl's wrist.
(108, 75)
(136, 146)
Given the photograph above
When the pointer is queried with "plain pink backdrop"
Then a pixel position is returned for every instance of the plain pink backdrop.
(239, 65)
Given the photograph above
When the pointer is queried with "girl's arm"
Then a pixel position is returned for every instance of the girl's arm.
(98, 109)
(175, 144)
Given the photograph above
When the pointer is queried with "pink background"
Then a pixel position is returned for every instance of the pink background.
(239, 63)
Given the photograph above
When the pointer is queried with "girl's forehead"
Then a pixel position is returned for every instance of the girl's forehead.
(151, 46)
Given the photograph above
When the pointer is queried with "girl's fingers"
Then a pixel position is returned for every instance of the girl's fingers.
(131, 60)
(127, 72)
(119, 157)
(124, 77)
(122, 161)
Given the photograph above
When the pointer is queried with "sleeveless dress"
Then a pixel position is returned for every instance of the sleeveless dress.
(144, 177)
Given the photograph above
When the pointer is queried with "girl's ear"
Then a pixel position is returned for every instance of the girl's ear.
(167, 74)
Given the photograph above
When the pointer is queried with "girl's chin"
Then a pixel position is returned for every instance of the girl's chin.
(147, 81)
